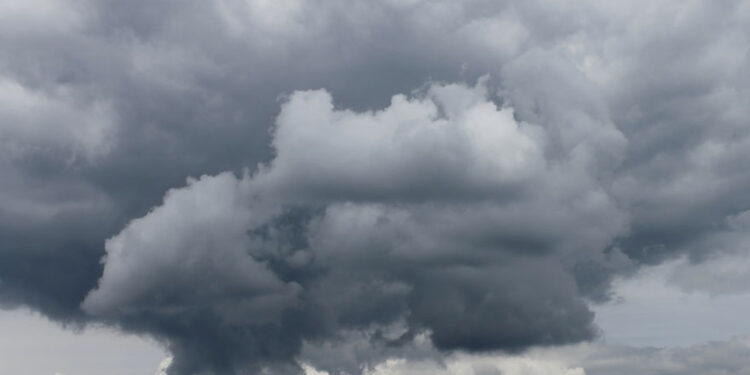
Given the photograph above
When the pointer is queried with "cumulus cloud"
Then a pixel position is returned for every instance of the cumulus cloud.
(471, 149)
(437, 211)
(193, 246)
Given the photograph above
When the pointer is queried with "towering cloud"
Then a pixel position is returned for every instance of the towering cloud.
(441, 213)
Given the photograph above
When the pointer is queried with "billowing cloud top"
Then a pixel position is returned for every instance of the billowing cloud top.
(369, 174)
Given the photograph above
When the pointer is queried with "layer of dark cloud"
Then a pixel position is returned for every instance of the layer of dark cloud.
(481, 211)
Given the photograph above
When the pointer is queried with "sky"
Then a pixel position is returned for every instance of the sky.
(477, 187)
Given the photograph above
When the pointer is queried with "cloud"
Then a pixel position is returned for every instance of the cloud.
(718, 357)
(369, 169)
(35, 122)
(471, 150)
(722, 271)
(515, 366)
(336, 232)
(193, 250)
(163, 366)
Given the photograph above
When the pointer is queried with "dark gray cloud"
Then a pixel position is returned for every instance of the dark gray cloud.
(532, 151)
(360, 246)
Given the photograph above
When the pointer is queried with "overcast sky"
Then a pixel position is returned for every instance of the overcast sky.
(374, 187)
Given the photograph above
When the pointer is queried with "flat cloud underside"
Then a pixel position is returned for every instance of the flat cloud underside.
(603, 137)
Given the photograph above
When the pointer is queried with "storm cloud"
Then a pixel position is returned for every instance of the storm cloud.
(258, 184)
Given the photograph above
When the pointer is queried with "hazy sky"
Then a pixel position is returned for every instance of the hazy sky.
(374, 187)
